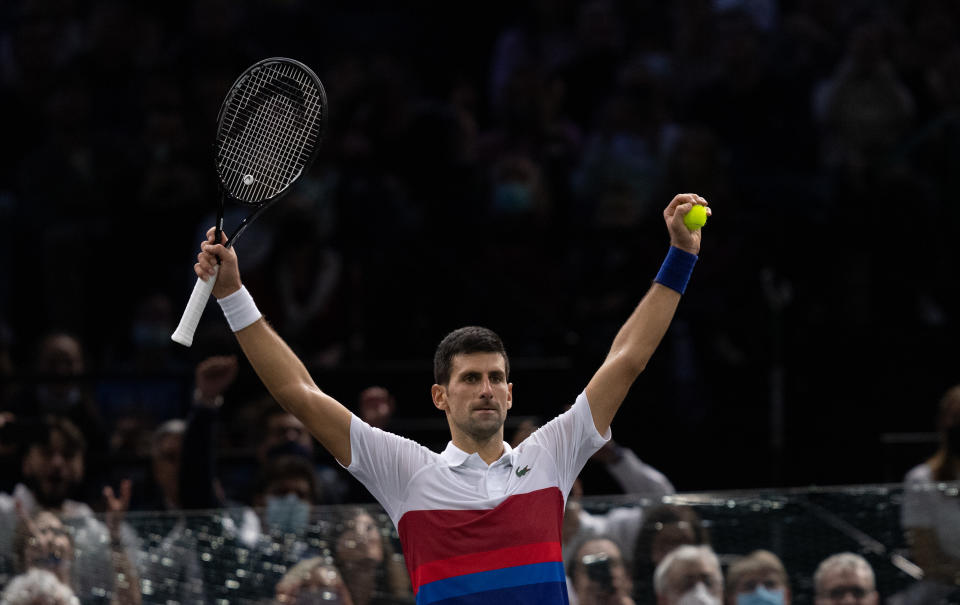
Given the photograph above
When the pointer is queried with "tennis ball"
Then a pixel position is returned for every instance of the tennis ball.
(696, 218)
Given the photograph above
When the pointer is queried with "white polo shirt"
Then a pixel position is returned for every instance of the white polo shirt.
(478, 533)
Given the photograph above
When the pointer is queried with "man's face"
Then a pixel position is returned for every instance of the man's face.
(670, 536)
(285, 428)
(684, 576)
(49, 546)
(359, 543)
(846, 586)
(477, 397)
(600, 576)
(53, 470)
(376, 406)
(60, 356)
(769, 579)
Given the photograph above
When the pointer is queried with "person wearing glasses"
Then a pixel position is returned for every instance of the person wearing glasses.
(845, 578)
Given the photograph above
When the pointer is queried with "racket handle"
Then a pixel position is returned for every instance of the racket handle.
(191, 315)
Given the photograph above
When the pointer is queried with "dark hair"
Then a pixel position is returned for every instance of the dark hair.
(40, 431)
(287, 467)
(654, 520)
(463, 341)
(939, 464)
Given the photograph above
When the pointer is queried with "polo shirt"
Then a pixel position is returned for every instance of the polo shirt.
(475, 533)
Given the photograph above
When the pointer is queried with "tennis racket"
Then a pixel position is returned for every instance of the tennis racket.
(269, 129)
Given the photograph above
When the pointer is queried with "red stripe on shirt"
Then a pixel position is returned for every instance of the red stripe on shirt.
(513, 556)
(466, 535)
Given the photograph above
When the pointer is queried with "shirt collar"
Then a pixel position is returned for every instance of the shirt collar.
(454, 456)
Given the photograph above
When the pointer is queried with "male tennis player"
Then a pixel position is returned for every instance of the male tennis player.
(479, 522)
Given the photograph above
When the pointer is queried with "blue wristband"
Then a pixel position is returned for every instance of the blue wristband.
(676, 269)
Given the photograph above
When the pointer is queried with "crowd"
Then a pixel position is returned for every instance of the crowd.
(555, 128)
(276, 540)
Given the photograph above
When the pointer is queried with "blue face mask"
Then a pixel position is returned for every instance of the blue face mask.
(511, 198)
(287, 514)
(761, 596)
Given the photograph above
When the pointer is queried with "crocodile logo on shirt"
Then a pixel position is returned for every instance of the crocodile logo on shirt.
(523, 471)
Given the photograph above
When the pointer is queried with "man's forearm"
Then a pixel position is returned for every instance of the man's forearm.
(278, 367)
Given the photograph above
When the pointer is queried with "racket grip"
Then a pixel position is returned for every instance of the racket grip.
(191, 314)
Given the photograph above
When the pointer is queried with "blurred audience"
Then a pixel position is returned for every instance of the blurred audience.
(845, 578)
(665, 528)
(53, 469)
(689, 575)
(551, 127)
(37, 587)
(758, 578)
(597, 574)
(371, 565)
(930, 515)
(310, 581)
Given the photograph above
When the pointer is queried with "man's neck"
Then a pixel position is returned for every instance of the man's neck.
(489, 450)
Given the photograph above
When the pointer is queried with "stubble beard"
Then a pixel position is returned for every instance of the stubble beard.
(481, 431)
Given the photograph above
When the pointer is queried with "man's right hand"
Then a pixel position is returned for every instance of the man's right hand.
(228, 278)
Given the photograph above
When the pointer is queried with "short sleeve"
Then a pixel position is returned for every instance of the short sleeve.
(571, 438)
(384, 463)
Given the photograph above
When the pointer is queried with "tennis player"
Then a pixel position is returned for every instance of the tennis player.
(481, 521)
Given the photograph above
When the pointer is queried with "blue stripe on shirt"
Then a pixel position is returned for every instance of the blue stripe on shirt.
(545, 578)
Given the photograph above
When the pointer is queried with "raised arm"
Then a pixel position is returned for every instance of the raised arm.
(639, 337)
(278, 367)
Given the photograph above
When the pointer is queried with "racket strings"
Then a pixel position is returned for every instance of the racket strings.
(269, 149)
(292, 128)
(277, 116)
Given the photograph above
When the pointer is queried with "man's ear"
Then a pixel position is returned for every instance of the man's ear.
(509, 395)
(439, 395)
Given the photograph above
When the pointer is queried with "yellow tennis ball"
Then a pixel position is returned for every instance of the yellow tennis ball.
(696, 218)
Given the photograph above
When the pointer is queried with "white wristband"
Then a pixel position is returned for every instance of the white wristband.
(239, 309)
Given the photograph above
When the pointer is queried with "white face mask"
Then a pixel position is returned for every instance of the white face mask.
(698, 595)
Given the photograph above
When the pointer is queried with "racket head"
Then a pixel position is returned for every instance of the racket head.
(269, 130)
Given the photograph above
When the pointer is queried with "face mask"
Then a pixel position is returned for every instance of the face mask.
(287, 514)
(512, 197)
(58, 400)
(149, 335)
(290, 448)
(698, 595)
(761, 596)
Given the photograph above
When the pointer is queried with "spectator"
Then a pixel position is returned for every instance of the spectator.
(60, 365)
(286, 492)
(53, 470)
(757, 579)
(44, 542)
(285, 434)
(687, 575)
(620, 523)
(665, 527)
(372, 569)
(37, 587)
(598, 575)
(165, 457)
(376, 406)
(845, 578)
(864, 108)
(312, 580)
(930, 515)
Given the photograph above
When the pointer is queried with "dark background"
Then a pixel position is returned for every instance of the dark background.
(505, 164)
